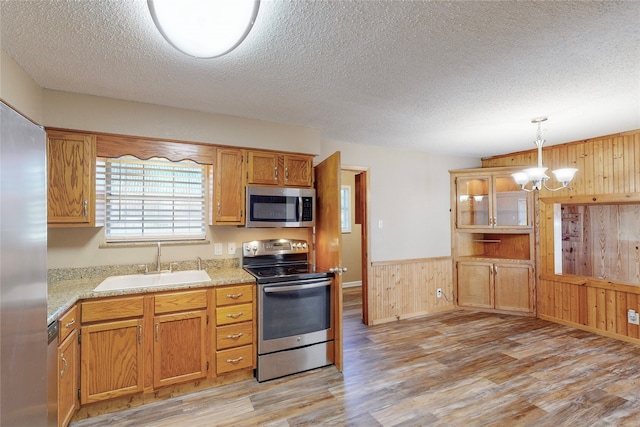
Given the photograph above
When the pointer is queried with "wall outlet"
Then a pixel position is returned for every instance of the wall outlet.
(633, 317)
(217, 249)
(231, 248)
(439, 293)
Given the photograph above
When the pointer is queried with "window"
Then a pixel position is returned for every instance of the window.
(150, 200)
(345, 208)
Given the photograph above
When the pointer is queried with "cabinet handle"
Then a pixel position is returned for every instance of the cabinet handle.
(85, 208)
(69, 323)
(218, 208)
(495, 221)
(495, 269)
(275, 176)
(157, 326)
(286, 174)
(234, 361)
(232, 315)
(234, 337)
(64, 369)
(139, 334)
(234, 296)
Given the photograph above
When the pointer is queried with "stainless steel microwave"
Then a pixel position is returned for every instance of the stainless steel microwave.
(280, 207)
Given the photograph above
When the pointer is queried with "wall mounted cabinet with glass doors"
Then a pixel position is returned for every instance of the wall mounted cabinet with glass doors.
(492, 241)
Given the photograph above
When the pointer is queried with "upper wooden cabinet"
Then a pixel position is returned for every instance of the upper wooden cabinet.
(228, 198)
(490, 200)
(71, 173)
(269, 168)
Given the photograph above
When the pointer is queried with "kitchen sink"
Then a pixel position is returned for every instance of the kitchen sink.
(149, 280)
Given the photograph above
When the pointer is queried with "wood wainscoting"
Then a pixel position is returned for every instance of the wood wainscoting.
(407, 288)
(608, 175)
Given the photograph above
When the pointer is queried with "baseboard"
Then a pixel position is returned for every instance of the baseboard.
(351, 284)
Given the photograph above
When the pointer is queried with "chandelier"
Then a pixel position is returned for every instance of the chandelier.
(537, 175)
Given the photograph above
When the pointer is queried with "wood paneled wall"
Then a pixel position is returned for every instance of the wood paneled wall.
(608, 173)
(404, 289)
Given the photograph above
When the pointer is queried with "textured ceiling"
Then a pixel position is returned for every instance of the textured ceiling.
(447, 77)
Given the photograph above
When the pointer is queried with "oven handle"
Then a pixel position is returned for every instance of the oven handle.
(271, 289)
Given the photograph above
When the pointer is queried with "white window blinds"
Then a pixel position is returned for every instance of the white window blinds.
(152, 199)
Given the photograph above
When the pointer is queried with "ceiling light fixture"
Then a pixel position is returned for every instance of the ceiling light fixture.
(537, 175)
(204, 28)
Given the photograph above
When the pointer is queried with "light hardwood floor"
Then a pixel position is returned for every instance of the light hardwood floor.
(458, 368)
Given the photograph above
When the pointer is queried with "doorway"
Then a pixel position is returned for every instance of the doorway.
(355, 250)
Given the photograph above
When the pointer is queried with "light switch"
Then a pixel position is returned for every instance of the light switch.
(231, 248)
(217, 249)
(379, 223)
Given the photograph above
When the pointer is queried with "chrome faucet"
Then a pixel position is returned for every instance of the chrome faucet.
(199, 263)
(158, 258)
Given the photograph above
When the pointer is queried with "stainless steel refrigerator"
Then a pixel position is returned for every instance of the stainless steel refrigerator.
(23, 271)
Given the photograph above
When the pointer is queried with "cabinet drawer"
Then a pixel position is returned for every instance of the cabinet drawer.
(235, 335)
(234, 314)
(234, 295)
(111, 309)
(68, 323)
(234, 359)
(179, 301)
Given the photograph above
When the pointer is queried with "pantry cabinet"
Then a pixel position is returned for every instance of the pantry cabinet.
(71, 172)
(278, 169)
(493, 241)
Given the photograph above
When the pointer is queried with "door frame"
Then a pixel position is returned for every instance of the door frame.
(362, 205)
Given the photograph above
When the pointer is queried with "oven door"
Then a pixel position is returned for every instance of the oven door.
(294, 314)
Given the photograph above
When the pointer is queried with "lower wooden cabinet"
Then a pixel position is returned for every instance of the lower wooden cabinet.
(112, 360)
(235, 326)
(68, 372)
(500, 285)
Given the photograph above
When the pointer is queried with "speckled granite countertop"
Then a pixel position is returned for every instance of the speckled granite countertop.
(67, 286)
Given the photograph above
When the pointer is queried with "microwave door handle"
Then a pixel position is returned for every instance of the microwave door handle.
(299, 209)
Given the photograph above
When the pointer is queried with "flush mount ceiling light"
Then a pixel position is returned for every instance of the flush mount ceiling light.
(537, 176)
(204, 28)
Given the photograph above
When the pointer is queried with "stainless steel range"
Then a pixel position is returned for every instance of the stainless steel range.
(295, 307)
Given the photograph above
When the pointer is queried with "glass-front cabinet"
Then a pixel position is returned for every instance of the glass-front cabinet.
(491, 201)
(492, 242)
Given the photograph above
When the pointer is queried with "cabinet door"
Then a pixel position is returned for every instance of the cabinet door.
(297, 170)
(112, 360)
(71, 178)
(512, 205)
(228, 203)
(262, 168)
(475, 287)
(513, 287)
(179, 347)
(473, 202)
(68, 373)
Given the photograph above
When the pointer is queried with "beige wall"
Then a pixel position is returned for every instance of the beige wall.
(351, 242)
(409, 193)
(19, 90)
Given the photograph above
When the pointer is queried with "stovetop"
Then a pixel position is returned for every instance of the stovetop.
(279, 260)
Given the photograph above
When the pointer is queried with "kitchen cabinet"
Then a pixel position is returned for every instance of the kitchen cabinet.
(180, 337)
(491, 200)
(228, 199)
(111, 348)
(495, 285)
(235, 328)
(71, 172)
(68, 367)
(279, 169)
(492, 241)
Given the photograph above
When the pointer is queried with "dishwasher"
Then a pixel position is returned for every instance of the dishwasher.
(52, 374)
